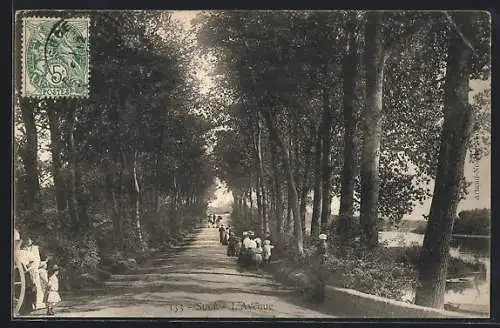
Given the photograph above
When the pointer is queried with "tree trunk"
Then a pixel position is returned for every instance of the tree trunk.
(305, 186)
(56, 150)
(82, 200)
(250, 199)
(29, 155)
(289, 215)
(290, 225)
(299, 238)
(278, 195)
(325, 165)
(111, 198)
(243, 198)
(374, 62)
(317, 189)
(259, 199)
(265, 223)
(116, 221)
(346, 211)
(454, 139)
(137, 196)
(73, 202)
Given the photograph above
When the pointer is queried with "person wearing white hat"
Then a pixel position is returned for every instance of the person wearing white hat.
(243, 250)
(266, 249)
(320, 269)
(257, 257)
(251, 250)
(246, 239)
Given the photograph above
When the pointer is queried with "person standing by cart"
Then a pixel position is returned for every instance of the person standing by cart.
(33, 259)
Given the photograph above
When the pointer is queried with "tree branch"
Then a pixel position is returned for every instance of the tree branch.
(392, 46)
(460, 34)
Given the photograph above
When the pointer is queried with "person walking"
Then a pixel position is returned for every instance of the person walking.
(244, 248)
(257, 258)
(320, 270)
(231, 244)
(267, 251)
(221, 234)
(225, 237)
(251, 248)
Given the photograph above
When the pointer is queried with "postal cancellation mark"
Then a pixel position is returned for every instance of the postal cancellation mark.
(55, 57)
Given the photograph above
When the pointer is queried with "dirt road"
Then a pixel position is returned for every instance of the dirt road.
(199, 281)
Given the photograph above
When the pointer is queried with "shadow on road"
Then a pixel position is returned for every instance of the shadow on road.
(199, 276)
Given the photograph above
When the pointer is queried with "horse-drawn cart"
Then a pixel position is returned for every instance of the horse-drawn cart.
(18, 275)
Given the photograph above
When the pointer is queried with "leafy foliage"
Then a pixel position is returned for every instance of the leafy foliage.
(133, 156)
(473, 222)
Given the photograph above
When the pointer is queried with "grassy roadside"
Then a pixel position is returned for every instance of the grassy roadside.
(122, 263)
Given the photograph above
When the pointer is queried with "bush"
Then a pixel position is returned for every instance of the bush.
(470, 222)
(459, 268)
(420, 229)
(473, 222)
(374, 272)
(75, 257)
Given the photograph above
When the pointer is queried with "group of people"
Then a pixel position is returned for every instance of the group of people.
(250, 250)
(254, 251)
(214, 221)
(42, 282)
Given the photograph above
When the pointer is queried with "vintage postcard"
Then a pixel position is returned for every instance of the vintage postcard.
(251, 164)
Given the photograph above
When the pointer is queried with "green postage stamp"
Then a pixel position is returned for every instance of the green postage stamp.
(55, 57)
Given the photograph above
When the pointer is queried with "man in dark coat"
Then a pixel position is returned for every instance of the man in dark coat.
(231, 244)
(225, 236)
(222, 230)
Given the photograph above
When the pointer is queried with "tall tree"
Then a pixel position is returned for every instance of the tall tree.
(349, 76)
(369, 169)
(455, 136)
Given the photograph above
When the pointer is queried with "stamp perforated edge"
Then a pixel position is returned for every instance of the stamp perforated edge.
(23, 58)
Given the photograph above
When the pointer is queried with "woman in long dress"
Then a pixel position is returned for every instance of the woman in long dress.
(33, 258)
(44, 276)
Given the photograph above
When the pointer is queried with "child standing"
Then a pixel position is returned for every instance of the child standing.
(258, 253)
(52, 293)
(267, 251)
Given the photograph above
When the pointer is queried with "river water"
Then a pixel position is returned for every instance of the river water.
(471, 299)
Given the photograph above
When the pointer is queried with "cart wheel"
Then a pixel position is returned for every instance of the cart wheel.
(19, 287)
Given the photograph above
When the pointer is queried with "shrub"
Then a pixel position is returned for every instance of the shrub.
(74, 256)
(420, 228)
(372, 271)
(473, 222)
